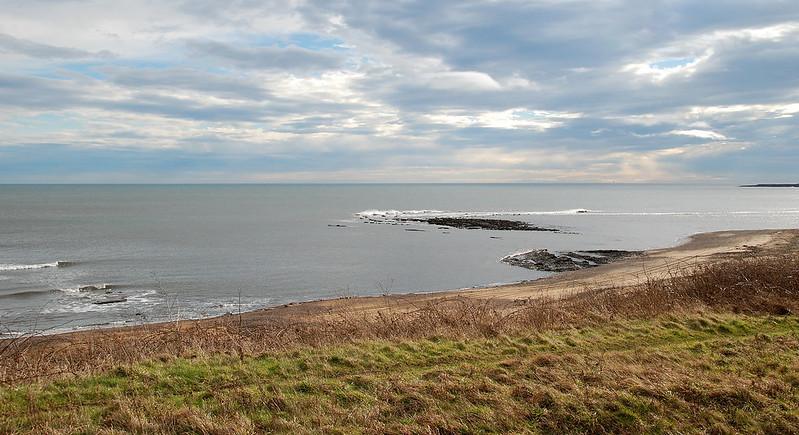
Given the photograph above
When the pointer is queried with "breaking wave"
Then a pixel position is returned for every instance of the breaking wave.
(412, 214)
(27, 293)
(419, 214)
(79, 290)
(11, 267)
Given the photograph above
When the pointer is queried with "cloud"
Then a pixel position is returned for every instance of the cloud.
(464, 81)
(172, 79)
(269, 58)
(516, 118)
(662, 69)
(439, 90)
(10, 44)
(702, 134)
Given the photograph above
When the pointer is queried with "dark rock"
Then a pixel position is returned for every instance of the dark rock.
(483, 224)
(546, 261)
(602, 256)
(110, 301)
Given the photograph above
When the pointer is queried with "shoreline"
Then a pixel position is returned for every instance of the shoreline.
(696, 250)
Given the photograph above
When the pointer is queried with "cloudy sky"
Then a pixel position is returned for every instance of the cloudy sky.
(395, 91)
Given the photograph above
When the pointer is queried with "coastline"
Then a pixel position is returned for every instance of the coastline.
(695, 251)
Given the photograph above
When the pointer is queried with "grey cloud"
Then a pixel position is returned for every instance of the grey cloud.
(574, 51)
(37, 93)
(180, 78)
(10, 44)
(290, 58)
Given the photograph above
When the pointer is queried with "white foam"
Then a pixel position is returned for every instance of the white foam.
(410, 214)
(516, 254)
(145, 298)
(699, 213)
(393, 215)
(8, 267)
(397, 214)
(77, 307)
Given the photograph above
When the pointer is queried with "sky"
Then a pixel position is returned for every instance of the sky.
(262, 91)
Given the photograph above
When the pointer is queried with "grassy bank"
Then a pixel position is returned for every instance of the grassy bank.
(710, 349)
(698, 372)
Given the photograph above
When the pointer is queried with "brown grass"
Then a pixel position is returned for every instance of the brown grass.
(755, 285)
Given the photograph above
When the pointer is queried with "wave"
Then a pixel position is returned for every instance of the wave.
(393, 215)
(84, 289)
(396, 214)
(12, 267)
(90, 288)
(698, 213)
(27, 293)
(414, 214)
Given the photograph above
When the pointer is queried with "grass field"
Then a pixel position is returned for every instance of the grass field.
(688, 373)
(712, 351)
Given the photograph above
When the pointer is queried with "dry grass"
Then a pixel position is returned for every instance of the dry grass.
(698, 373)
(758, 285)
(714, 350)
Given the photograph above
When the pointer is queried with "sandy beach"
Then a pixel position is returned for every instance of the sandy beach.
(699, 249)
(335, 320)
(655, 264)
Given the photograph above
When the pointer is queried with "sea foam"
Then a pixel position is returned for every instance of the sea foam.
(417, 214)
(420, 214)
(10, 267)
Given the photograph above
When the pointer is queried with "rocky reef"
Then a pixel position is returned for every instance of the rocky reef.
(483, 224)
(543, 260)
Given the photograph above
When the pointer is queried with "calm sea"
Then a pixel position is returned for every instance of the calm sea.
(199, 250)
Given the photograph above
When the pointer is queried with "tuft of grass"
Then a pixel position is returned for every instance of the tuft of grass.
(736, 373)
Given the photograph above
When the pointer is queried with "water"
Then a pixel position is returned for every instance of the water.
(195, 250)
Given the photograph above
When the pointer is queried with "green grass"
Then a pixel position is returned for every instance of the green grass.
(687, 373)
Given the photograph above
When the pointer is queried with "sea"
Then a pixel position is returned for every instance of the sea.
(88, 256)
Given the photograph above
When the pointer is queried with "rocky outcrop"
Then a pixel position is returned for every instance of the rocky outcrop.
(546, 261)
(107, 301)
(483, 224)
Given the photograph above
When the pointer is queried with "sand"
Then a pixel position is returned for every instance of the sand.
(655, 264)
(698, 250)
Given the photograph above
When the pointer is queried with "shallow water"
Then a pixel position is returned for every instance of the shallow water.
(196, 250)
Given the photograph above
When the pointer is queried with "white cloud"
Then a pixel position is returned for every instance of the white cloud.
(659, 70)
(747, 112)
(684, 57)
(703, 134)
(487, 91)
(515, 118)
(461, 81)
